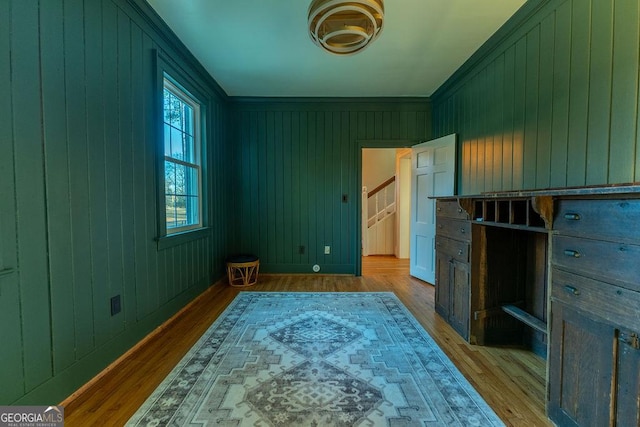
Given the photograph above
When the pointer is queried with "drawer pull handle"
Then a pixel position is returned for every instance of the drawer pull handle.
(439, 209)
(459, 210)
(572, 216)
(571, 290)
(572, 253)
(460, 252)
(462, 231)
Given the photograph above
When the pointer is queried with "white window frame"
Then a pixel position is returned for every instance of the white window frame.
(195, 105)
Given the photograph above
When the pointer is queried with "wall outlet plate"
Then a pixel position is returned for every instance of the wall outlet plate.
(327, 250)
(116, 306)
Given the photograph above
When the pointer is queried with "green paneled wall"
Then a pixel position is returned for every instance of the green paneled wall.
(78, 192)
(551, 101)
(291, 163)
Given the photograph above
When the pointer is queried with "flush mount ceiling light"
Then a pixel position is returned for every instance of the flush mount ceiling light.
(345, 27)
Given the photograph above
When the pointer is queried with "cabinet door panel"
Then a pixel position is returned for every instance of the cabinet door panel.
(628, 390)
(442, 284)
(459, 314)
(580, 364)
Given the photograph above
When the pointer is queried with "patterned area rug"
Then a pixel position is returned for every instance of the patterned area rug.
(315, 359)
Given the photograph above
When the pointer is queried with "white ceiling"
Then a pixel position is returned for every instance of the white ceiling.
(262, 48)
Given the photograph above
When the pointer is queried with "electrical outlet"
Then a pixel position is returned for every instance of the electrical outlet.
(115, 305)
(327, 250)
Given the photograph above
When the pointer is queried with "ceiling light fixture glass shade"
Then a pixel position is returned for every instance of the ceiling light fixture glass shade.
(345, 27)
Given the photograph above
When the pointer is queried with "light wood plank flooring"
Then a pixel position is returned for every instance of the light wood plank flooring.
(510, 380)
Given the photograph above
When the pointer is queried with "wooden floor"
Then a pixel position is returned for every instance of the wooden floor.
(510, 380)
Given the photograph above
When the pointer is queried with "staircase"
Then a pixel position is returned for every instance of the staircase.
(379, 219)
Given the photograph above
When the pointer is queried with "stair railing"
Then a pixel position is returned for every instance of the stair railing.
(382, 208)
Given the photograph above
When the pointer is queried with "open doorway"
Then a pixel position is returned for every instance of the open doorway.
(386, 201)
(386, 190)
(421, 170)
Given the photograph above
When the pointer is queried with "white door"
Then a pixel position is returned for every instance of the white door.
(433, 172)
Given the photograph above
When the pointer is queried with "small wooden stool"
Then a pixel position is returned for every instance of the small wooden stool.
(242, 270)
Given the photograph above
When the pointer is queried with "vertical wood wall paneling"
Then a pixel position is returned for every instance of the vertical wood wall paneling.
(278, 187)
(32, 232)
(261, 187)
(138, 74)
(560, 94)
(314, 184)
(57, 183)
(497, 128)
(255, 167)
(244, 212)
(347, 213)
(305, 182)
(97, 174)
(287, 217)
(485, 138)
(272, 203)
(575, 100)
(545, 102)
(113, 163)
(624, 107)
(600, 93)
(532, 72)
(295, 193)
(12, 367)
(305, 163)
(579, 92)
(519, 114)
(508, 118)
(76, 111)
(150, 282)
(327, 212)
(127, 199)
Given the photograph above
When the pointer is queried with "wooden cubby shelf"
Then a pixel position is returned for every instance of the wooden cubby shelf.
(512, 213)
(526, 318)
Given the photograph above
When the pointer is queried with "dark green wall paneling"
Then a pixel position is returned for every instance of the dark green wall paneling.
(293, 161)
(11, 329)
(550, 101)
(78, 190)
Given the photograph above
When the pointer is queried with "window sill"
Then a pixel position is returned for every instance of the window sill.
(177, 239)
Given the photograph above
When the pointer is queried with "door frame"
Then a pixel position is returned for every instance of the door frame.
(360, 144)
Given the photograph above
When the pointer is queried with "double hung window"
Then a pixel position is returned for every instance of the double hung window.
(182, 159)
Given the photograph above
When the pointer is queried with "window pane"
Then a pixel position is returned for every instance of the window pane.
(176, 211)
(176, 112)
(167, 140)
(167, 106)
(177, 144)
(192, 183)
(193, 211)
(189, 149)
(169, 177)
(181, 179)
(188, 119)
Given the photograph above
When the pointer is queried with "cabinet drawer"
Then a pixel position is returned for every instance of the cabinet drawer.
(452, 248)
(451, 209)
(609, 219)
(453, 228)
(609, 302)
(605, 260)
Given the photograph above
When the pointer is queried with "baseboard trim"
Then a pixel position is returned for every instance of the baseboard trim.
(76, 395)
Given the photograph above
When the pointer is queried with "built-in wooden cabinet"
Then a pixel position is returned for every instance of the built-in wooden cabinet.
(453, 234)
(595, 301)
(557, 272)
